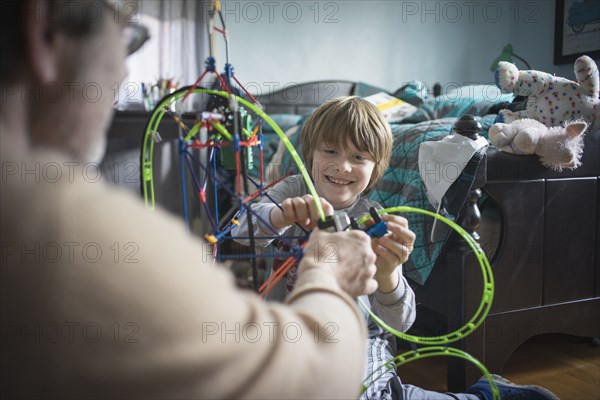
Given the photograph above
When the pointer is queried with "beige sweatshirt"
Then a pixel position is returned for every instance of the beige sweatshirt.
(102, 297)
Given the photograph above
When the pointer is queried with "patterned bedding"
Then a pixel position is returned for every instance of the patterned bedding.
(401, 184)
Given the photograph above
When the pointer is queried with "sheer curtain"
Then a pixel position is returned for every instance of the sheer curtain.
(177, 48)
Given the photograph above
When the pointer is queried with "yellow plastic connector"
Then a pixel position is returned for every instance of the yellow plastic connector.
(211, 239)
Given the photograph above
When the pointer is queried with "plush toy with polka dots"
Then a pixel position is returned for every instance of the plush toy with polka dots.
(557, 114)
(552, 100)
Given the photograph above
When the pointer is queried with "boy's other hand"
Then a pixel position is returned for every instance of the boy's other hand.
(302, 210)
(348, 255)
(393, 249)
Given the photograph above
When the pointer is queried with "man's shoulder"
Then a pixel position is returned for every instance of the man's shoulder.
(70, 196)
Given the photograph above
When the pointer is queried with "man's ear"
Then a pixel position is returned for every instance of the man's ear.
(40, 42)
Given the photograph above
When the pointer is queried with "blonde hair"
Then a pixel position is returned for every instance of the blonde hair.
(349, 118)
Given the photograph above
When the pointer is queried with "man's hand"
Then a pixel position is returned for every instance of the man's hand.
(302, 210)
(348, 255)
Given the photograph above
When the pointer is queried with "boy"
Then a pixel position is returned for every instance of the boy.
(347, 145)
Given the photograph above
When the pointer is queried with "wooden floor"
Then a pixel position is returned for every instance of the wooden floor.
(568, 366)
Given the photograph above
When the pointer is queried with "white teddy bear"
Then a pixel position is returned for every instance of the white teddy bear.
(557, 114)
(558, 147)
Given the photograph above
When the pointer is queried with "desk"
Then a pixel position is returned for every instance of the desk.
(132, 123)
(121, 164)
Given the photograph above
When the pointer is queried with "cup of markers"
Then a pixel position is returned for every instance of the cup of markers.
(152, 93)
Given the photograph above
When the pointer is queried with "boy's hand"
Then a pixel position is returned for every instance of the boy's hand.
(348, 255)
(392, 250)
(302, 210)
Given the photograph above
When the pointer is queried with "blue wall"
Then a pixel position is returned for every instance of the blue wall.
(384, 43)
(535, 40)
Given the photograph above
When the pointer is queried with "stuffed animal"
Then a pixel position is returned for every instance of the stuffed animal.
(558, 147)
(552, 100)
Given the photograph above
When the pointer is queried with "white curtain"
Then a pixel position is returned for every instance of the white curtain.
(177, 48)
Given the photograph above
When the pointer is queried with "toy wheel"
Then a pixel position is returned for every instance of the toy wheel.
(212, 132)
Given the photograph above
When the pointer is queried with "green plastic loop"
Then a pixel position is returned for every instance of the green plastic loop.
(432, 351)
(487, 295)
(167, 102)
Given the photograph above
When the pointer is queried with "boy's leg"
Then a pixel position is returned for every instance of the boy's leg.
(384, 384)
(509, 390)
(481, 390)
(399, 391)
(378, 373)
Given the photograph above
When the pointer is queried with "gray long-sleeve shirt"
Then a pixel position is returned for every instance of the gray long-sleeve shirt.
(396, 308)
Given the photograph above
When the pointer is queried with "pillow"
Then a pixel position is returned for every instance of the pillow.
(477, 94)
(458, 101)
(414, 92)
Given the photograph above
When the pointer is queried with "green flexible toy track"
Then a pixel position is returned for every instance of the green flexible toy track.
(433, 343)
(158, 114)
(433, 351)
(486, 298)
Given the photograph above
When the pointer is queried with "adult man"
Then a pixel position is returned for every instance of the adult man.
(101, 298)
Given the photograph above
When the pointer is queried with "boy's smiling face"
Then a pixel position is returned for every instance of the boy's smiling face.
(341, 173)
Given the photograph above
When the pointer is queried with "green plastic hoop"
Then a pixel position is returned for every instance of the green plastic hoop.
(433, 351)
(158, 114)
(486, 298)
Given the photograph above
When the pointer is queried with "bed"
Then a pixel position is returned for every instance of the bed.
(401, 184)
(539, 228)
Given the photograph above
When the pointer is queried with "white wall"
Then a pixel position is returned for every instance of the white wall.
(384, 43)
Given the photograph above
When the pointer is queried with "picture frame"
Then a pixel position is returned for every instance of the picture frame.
(576, 31)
